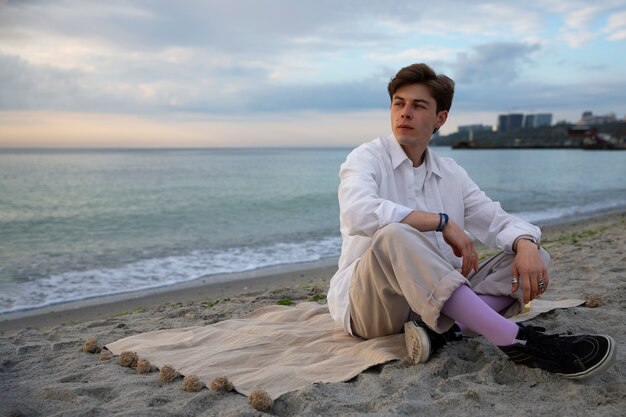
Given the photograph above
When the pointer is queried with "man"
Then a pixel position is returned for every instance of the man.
(407, 263)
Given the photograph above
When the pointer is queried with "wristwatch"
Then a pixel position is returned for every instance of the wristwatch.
(526, 237)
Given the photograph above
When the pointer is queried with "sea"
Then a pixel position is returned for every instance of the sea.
(81, 224)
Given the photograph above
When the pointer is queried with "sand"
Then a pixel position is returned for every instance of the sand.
(43, 371)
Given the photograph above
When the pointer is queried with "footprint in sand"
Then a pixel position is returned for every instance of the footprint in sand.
(23, 350)
(58, 394)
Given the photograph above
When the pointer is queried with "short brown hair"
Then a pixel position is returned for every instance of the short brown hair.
(440, 86)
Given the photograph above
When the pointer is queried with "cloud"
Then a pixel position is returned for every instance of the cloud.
(329, 97)
(248, 57)
(241, 27)
(493, 63)
(576, 39)
(25, 86)
(601, 97)
(430, 54)
(616, 27)
(582, 19)
(266, 31)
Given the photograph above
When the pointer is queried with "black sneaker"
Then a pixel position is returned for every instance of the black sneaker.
(572, 356)
(421, 341)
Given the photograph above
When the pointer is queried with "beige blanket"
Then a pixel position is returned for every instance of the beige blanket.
(539, 306)
(276, 348)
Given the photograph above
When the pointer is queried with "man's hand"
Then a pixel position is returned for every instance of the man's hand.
(529, 268)
(462, 246)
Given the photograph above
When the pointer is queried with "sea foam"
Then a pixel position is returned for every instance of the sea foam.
(212, 266)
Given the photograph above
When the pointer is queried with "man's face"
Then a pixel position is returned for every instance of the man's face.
(414, 115)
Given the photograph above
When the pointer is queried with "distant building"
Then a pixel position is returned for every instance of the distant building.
(537, 120)
(509, 122)
(588, 118)
(529, 121)
(514, 121)
(502, 122)
(474, 128)
(543, 119)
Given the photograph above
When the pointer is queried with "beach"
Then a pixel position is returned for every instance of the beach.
(43, 371)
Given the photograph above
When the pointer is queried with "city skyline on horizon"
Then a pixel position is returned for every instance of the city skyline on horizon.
(493, 127)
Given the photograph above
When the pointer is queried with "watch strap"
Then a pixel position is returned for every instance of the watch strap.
(526, 237)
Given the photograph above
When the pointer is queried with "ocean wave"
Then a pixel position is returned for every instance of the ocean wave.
(564, 214)
(213, 266)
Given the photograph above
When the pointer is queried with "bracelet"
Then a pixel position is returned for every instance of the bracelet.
(443, 222)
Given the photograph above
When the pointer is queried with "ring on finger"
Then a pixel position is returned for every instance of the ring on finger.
(542, 284)
(515, 281)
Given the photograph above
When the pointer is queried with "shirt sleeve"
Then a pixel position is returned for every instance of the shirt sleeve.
(488, 222)
(362, 210)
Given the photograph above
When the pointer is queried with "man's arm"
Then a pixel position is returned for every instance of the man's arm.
(453, 234)
(487, 221)
(361, 208)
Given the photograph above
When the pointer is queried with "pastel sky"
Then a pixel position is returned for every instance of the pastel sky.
(162, 73)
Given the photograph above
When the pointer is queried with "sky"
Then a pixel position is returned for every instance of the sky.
(162, 73)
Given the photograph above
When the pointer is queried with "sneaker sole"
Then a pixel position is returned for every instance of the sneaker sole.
(417, 343)
(601, 366)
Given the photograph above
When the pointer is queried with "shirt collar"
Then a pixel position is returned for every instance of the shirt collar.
(398, 157)
(433, 162)
(396, 152)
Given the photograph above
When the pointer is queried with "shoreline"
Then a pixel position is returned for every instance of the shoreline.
(227, 285)
(237, 283)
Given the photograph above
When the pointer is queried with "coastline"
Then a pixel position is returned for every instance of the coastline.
(44, 373)
(227, 285)
(75, 259)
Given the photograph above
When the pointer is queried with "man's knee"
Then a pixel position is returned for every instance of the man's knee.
(392, 233)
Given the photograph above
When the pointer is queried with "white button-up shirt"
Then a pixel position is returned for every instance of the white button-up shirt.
(378, 187)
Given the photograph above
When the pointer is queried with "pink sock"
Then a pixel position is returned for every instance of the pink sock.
(468, 309)
(497, 303)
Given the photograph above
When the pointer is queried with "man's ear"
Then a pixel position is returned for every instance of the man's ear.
(442, 116)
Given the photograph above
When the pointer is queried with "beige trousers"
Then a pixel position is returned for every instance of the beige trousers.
(403, 276)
